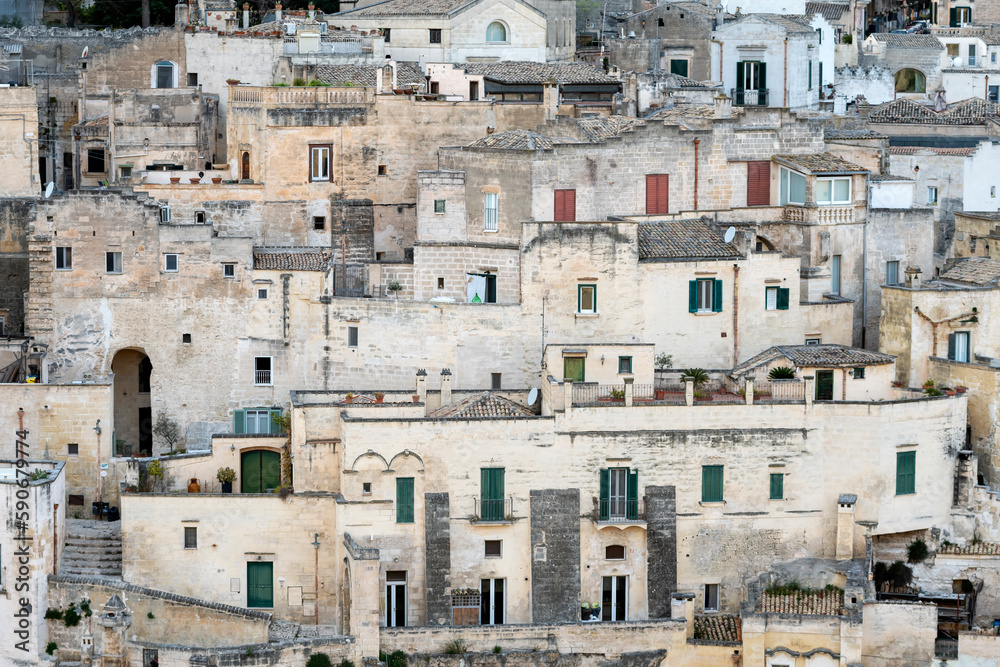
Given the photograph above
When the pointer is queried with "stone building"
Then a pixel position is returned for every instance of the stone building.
(915, 61)
(679, 36)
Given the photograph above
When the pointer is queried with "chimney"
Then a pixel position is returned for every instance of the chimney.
(445, 387)
(181, 14)
(723, 106)
(912, 274)
(312, 12)
(422, 386)
(845, 526)
(682, 606)
(246, 15)
(550, 99)
(277, 12)
(863, 107)
(720, 15)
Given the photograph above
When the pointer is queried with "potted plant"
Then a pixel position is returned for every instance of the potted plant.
(226, 476)
(175, 179)
(155, 471)
(961, 389)
(781, 373)
(395, 288)
(349, 398)
(217, 179)
(928, 384)
(195, 181)
(379, 396)
(416, 398)
(898, 384)
(662, 361)
(233, 82)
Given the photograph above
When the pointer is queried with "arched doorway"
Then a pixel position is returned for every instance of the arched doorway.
(245, 166)
(260, 471)
(133, 412)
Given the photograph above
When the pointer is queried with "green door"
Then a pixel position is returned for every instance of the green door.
(260, 589)
(491, 498)
(260, 471)
(573, 368)
(824, 385)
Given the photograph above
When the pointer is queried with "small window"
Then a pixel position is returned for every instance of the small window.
(319, 223)
(262, 371)
(835, 264)
(958, 346)
(892, 273)
(490, 211)
(383, 170)
(73, 449)
(186, 338)
(833, 191)
(95, 160)
(319, 163)
(126, 172)
(624, 365)
(614, 552)
(679, 66)
(192, 79)
(387, 35)
(170, 262)
(228, 270)
(586, 299)
(952, 50)
(165, 214)
(64, 258)
(932, 195)
(190, 537)
(859, 373)
(496, 32)
(495, 382)
(791, 186)
(366, 488)
(777, 486)
(711, 597)
(440, 283)
(435, 35)
(493, 549)
(771, 298)
(711, 484)
(439, 206)
(262, 293)
(813, 341)
(705, 296)
(75, 500)
(199, 217)
(659, 23)
(352, 336)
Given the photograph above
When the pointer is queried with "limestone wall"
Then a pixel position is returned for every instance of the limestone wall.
(18, 143)
(898, 633)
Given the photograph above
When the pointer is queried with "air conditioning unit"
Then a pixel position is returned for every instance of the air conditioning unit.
(322, 28)
(289, 28)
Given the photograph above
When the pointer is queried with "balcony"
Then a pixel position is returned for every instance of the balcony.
(262, 377)
(820, 215)
(748, 98)
(619, 512)
(494, 510)
(277, 96)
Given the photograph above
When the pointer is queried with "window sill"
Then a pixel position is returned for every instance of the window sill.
(586, 315)
(710, 503)
(702, 313)
(268, 384)
(492, 231)
(69, 269)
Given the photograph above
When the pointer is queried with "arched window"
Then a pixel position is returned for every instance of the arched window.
(245, 166)
(164, 75)
(496, 32)
(910, 81)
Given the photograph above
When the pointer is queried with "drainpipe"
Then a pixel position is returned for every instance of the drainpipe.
(315, 544)
(736, 312)
(97, 429)
(786, 73)
(696, 142)
(864, 260)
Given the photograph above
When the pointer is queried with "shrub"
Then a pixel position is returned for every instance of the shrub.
(51, 648)
(39, 474)
(149, 615)
(299, 82)
(848, 39)
(319, 660)
(497, 649)
(71, 618)
(155, 469)
(54, 614)
(617, 393)
(456, 647)
(663, 360)
(282, 421)
(899, 574)
(346, 663)
(396, 659)
(916, 552)
(85, 607)
(781, 373)
(226, 475)
(699, 376)
(318, 83)
(167, 430)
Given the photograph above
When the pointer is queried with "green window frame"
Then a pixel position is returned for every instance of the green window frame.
(404, 500)
(491, 494)
(906, 473)
(439, 205)
(240, 420)
(780, 299)
(624, 365)
(605, 506)
(810, 75)
(697, 296)
(712, 479)
(859, 373)
(586, 293)
(777, 486)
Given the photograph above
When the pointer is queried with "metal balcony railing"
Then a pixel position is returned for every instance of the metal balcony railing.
(262, 377)
(494, 509)
(749, 98)
(619, 510)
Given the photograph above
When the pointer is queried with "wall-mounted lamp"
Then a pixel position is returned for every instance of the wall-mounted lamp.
(602, 359)
(232, 447)
(98, 427)
(315, 541)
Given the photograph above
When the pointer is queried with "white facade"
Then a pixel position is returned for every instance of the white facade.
(896, 194)
(770, 7)
(981, 190)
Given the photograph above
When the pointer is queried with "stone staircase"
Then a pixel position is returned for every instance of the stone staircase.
(92, 549)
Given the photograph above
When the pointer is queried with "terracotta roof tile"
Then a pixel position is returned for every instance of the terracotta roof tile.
(523, 71)
(409, 8)
(810, 603)
(601, 128)
(291, 259)
(972, 111)
(485, 405)
(516, 140)
(717, 627)
(816, 355)
(683, 239)
(828, 10)
(980, 549)
(909, 41)
(974, 270)
(360, 75)
(821, 163)
(937, 150)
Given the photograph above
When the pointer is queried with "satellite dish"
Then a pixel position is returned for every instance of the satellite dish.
(86, 50)
(533, 396)
(956, 62)
(730, 235)
(49, 188)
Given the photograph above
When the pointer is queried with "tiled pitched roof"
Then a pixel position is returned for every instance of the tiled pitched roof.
(821, 163)
(683, 239)
(811, 603)
(909, 41)
(360, 75)
(687, 82)
(828, 10)
(938, 150)
(409, 8)
(972, 111)
(832, 133)
(601, 128)
(902, 111)
(486, 405)
(980, 549)
(833, 355)
(683, 112)
(523, 71)
(518, 140)
(290, 259)
(974, 270)
(717, 628)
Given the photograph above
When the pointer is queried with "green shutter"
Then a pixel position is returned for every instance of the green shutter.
(953, 17)
(951, 346)
(275, 428)
(605, 502)
(821, 72)
(692, 296)
(739, 75)
(717, 296)
(810, 75)
(906, 473)
(270, 471)
(762, 79)
(239, 421)
(782, 298)
(491, 498)
(632, 496)
(250, 472)
(777, 486)
(404, 500)
(711, 484)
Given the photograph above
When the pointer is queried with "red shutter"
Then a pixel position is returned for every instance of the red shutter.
(565, 205)
(657, 194)
(758, 183)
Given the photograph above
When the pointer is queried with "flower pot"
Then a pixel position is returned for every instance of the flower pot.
(216, 180)
(960, 389)
(348, 399)
(416, 398)
(174, 179)
(379, 399)
(227, 487)
(233, 82)
(194, 486)
(195, 181)
(950, 392)
(661, 394)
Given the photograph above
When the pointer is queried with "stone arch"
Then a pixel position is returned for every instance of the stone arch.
(370, 452)
(910, 80)
(406, 453)
(245, 166)
(764, 244)
(132, 402)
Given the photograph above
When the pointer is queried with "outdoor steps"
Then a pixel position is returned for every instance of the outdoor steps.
(92, 548)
